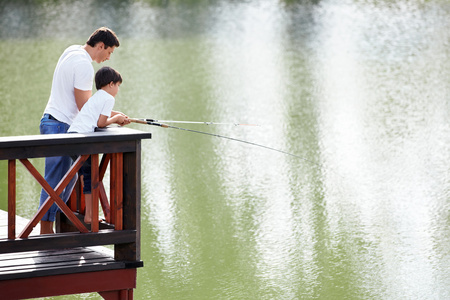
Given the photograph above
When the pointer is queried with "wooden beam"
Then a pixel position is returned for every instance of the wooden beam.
(53, 195)
(109, 140)
(117, 295)
(88, 282)
(106, 158)
(104, 202)
(68, 240)
(104, 164)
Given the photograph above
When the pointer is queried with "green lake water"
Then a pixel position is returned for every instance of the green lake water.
(358, 89)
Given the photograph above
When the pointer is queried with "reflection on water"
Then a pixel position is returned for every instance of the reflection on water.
(383, 121)
(360, 87)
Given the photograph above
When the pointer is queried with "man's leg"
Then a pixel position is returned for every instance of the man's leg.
(55, 168)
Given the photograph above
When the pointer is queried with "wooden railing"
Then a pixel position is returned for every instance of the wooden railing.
(121, 149)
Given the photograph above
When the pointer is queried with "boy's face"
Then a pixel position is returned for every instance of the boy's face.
(114, 88)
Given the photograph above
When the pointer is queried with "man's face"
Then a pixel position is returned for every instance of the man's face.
(104, 54)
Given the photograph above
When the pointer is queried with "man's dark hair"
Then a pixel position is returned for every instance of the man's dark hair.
(105, 35)
(106, 75)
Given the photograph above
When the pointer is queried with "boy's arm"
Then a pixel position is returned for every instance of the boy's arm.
(120, 119)
(114, 112)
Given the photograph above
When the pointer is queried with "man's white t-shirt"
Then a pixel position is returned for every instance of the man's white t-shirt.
(74, 70)
(101, 103)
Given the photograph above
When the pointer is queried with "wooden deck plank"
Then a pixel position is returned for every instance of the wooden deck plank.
(31, 267)
(20, 225)
(38, 263)
(58, 262)
(41, 259)
(49, 253)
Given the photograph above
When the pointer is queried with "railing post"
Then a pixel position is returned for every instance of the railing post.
(11, 199)
(117, 193)
(131, 204)
(94, 191)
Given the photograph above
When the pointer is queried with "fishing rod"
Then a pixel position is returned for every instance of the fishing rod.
(144, 121)
(192, 122)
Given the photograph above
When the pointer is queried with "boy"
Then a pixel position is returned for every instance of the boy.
(96, 112)
(71, 88)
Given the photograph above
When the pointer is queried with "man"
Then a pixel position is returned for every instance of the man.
(71, 88)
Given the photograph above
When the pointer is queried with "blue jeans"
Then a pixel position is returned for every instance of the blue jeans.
(55, 167)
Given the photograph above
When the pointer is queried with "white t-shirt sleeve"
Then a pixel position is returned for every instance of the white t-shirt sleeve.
(83, 76)
(108, 107)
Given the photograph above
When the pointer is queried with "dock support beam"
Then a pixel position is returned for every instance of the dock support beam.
(112, 284)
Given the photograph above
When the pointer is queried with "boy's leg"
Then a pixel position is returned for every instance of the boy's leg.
(88, 212)
(86, 171)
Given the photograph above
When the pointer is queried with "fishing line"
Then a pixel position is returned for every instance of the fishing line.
(144, 121)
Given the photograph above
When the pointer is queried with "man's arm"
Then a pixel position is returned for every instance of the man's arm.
(81, 97)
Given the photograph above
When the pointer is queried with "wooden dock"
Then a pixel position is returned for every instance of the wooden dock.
(74, 260)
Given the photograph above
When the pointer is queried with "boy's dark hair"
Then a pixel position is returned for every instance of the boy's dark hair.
(105, 35)
(106, 75)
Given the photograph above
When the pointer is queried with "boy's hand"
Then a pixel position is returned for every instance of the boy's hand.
(122, 119)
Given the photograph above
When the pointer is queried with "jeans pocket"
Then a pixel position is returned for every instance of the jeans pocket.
(48, 126)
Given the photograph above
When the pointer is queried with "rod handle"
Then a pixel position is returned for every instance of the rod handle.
(138, 121)
(158, 124)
